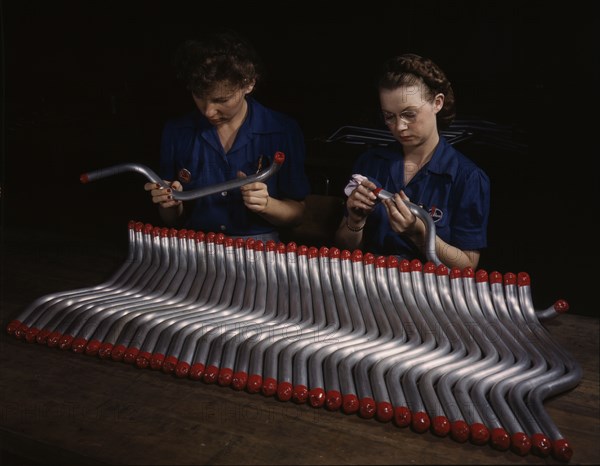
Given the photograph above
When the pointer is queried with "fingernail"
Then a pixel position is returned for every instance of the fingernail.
(169, 190)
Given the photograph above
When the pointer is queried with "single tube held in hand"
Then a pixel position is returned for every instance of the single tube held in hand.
(261, 176)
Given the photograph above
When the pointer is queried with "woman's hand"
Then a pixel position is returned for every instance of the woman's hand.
(402, 220)
(361, 201)
(255, 195)
(164, 196)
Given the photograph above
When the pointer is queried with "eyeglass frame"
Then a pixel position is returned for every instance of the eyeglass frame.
(401, 115)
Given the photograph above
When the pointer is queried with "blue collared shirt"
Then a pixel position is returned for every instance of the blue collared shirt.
(192, 153)
(454, 190)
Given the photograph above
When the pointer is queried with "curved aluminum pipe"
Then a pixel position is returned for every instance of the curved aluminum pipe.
(427, 220)
(151, 176)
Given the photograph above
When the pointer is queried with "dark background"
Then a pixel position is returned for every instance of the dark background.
(89, 84)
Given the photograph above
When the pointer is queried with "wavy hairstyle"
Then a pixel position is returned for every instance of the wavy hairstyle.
(221, 57)
(410, 70)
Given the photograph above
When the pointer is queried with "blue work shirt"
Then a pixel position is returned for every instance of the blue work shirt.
(192, 153)
(451, 187)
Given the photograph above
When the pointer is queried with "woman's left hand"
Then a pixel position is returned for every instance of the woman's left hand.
(255, 195)
(402, 220)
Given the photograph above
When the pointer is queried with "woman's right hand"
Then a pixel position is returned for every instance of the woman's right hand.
(361, 201)
(164, 196)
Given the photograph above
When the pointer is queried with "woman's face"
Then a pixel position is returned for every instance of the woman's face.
(223, 104)
(409, 115)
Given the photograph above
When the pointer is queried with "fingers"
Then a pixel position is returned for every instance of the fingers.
(401, 218)
(241, 174)
(362, 197)
(164, 196)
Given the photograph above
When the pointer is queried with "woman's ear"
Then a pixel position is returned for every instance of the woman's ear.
(438, 102)
(249, 87)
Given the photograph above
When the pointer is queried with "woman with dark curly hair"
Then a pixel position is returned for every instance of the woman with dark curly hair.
(416, 99)
(228, 136)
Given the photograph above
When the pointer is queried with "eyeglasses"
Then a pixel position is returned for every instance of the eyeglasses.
(407, 116)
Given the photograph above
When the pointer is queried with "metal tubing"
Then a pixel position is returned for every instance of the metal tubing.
(151, 176)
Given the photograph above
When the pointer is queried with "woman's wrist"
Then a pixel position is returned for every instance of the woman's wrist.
(355, 226)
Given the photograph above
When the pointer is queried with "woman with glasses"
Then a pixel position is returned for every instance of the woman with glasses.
(416, 99)
(229, 135)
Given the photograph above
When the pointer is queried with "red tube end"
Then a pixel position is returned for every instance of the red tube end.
(269, 387)
(380, 262)
(259, 246)
(562, 450)
(239, 381)
(21, 331)
(440, 425)
(455, 273)
(302, 250)
(441, 270)
(561, 306)
(170, 364)
(541, 445)
(523, 279)
(313, 252)
(429, 267)
(210, 374)
(118, 352)
(254, 383)
(520, 443)
(368, 259)
(323, 251)
(346, 255)
(53, 339)
(93, 347)
(468, 272)
(356, 256)
(420, 422)
(65, 342)
(105, 350)
(316, 397)
(196, 371)
(284, 391)
(279, 158)
(500, 439)
(495, 277)
(404, 265)
(385, 411)
(350, 404)
(84, 178)
(78, 345)
(156, 361)
(367, 408)
(333, 400)
(42, 337)
(130, 355)
(292, 247)
(481, 276)
(334, 253)
(143, 359)
(510, 279)
(480, 435)
(392, 262)
(225, 377)
(182, 370)
(300, 394)
(416, 266)
(459, 431)
(31, 335)
(402, 416)
(12, 326)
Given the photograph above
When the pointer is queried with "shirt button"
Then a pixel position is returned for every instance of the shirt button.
(224, 193)
(223, 227)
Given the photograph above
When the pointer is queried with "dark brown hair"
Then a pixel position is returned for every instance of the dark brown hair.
(218, 58)
(413, 70)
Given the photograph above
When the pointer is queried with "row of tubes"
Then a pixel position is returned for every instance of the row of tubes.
(457, 352)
